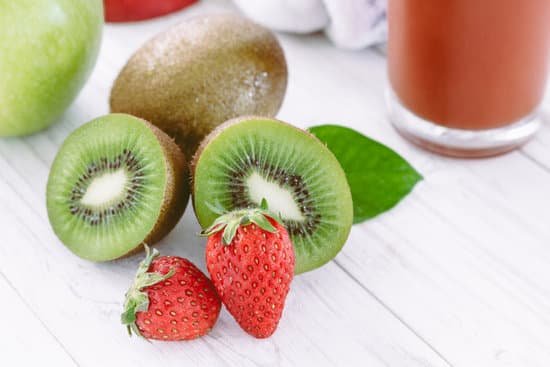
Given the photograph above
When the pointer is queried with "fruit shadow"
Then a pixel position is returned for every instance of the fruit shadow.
(183, 241)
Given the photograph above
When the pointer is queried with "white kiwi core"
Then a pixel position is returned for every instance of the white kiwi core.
(280, 199)
(105, 189)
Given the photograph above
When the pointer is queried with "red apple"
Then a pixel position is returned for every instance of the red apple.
(132, 10)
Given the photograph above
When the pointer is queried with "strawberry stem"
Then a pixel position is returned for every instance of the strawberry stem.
(231, 221)
(136, 299)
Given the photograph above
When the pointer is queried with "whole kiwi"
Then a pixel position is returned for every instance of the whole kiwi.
(200, 73)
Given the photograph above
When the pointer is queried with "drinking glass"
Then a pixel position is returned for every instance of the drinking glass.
(466, 77)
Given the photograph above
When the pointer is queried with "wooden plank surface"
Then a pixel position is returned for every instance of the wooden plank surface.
(457, 275)
(25, 340)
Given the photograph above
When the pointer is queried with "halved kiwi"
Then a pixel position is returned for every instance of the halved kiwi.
(250, 158)
(117, 182)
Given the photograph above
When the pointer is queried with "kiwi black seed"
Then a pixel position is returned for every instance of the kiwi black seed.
(200, 73)
(116, 183)
(251, 158)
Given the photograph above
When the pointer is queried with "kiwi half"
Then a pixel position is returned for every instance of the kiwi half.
(117, 182)
(200, 73)
(251, 158)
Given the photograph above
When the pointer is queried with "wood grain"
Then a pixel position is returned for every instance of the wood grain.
(457, 275)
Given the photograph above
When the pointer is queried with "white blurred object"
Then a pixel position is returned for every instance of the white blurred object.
(351, 24)
(356, 24)
(297, 16)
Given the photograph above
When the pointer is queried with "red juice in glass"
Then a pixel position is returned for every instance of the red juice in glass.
(467, 76)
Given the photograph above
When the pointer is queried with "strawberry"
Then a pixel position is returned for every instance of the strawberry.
(250, 259)
(132, 10)
(171, 299)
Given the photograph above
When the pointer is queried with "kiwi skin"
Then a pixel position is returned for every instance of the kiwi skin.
(348, 214)
(176, 194)
(175, 197)
(201, 73)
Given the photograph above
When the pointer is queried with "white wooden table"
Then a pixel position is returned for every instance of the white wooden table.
(457, 275)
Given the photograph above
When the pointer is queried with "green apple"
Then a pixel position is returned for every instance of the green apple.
(47, 51)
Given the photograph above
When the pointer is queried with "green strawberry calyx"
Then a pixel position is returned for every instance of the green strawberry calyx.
(136, 299)
(231, 221)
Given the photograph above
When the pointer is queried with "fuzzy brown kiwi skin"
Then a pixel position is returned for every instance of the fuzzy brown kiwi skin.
(218, 130)
(203, 84)
(176, 193)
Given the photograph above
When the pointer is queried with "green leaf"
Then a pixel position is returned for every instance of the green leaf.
(264, 205)
(230, 222)
(378, 177)
(261, 221)
(230, 231)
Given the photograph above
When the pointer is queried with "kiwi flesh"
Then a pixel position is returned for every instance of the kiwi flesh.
(251, 158)
(200, 73)
(116, 183)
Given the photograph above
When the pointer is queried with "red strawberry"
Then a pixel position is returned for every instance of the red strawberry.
(171, 299)
(131, 10)
(251, 262)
